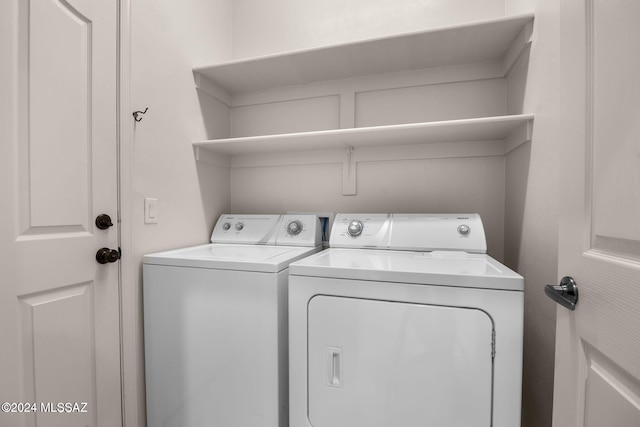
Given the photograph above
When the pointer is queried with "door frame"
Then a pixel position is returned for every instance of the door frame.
(131, 350)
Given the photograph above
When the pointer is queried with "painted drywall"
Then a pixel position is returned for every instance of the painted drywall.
(532, 206)
(168, 39)
(407, 186)
(269, 26)
(430, 185)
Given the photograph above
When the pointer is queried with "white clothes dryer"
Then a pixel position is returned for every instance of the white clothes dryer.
(215, 323)
(405, 321)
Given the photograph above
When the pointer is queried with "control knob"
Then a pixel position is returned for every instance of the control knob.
(355, 228)
(294, 228)
(464, 229)
(239, 226)
(226, 226)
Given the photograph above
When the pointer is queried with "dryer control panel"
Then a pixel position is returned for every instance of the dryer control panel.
(415, 232)
(281, 230)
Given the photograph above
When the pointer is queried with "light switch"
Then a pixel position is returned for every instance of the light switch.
(150, 211)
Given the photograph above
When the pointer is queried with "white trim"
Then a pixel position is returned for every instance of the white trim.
(132, 379)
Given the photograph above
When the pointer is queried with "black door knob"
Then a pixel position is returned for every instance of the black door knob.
(105, 255)
(103, 221)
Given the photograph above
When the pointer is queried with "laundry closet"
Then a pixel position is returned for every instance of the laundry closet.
(129, 127)
(503, 84)
(421, 107)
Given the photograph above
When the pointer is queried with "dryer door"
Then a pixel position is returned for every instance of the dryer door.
(382, 363)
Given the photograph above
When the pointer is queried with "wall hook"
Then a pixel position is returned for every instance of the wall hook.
(137, 114)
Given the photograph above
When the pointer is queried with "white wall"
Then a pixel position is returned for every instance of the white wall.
(469, 184)
(168, 39)
(266, 26)
(406, 186)
(532, 208)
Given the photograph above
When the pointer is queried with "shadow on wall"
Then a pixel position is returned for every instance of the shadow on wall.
(517, 165)
(215, 190)
(517, 182)
(214, 177)
(517, 79)
(216, 116)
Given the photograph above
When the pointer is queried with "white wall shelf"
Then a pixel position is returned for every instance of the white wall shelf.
(484, 41)
(282, 98)
(477, 129)
(488, 136)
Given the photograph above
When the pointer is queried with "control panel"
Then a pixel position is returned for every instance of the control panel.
(284, 230)
(361, 230)
(299, 230)
(417, 232)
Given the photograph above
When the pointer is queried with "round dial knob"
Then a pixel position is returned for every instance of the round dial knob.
(464, 229)
(239, 226)
(226, 226)
(355, 228)
(294, 228)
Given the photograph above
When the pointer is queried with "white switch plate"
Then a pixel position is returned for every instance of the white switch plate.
(150, 211)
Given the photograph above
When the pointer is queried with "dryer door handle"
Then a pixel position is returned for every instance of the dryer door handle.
(334, 367)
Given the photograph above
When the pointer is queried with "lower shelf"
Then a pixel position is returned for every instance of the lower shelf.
(509, 128)
(488, 136)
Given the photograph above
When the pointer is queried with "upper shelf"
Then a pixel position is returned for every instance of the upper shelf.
(478, 129)
(470, 43)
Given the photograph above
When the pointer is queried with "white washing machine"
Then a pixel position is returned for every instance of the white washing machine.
(405, 321)
(215, 323)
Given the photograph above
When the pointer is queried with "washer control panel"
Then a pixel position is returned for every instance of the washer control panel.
(286, 230)
(416, 232)
(299, 230)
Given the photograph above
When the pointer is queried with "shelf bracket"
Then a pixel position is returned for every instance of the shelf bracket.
(521, 135)
(206, 156)
(349, 172)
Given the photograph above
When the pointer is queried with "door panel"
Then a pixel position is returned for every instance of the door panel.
(58, 348)
(609, 387)
(597, 377)
(613, 35)
(59, 308)
(57, 140)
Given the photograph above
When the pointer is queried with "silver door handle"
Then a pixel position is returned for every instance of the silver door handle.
(565, 294)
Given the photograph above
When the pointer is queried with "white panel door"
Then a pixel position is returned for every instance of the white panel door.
(597, 373)
(380, 364)
(59, 315)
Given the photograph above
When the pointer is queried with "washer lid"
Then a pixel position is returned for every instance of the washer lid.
(263, 258)
(445, 268)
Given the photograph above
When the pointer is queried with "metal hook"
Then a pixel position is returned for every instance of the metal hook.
(136, 114)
